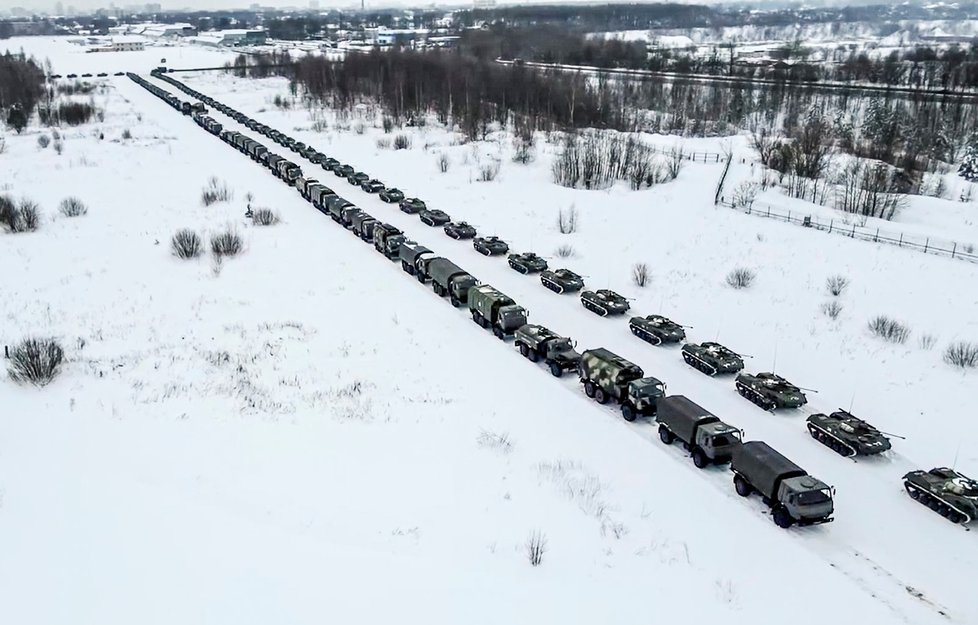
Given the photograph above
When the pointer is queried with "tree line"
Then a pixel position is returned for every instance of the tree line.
(21, 88)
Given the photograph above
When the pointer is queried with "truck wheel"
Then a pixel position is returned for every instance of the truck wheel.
(534, 356)
(782, 518)
(589, 389)
(420, 277)
(455, 301)
(524, 350)
(405, 267)
(700, 459)
(743, 488)
(665, 435)
(600, 396)
(555, 370)
(498, 333)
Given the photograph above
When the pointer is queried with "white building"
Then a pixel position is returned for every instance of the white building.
(234, 37)
(169, 31)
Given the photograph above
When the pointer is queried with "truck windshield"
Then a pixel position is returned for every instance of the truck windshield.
(726, 439)
(813, 497)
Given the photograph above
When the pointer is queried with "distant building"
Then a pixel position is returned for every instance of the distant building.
(389, 37)
(228, 38)
(120, 46)
(169, 31)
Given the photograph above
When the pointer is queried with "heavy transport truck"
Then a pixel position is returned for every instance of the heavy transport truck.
(449, 279)
(708, 439)
(387, 240)
(495, 311)
(607, 376)
(538, 343)
(793, 495)
(410, 253)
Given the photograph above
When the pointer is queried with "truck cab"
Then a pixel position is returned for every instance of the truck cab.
(806, 499)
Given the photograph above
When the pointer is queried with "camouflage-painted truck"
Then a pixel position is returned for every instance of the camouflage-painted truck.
(495, 311)
(607, 376)
(387, 240)
(708, 439)
(449, 279)
(538, 343)
(792, 494)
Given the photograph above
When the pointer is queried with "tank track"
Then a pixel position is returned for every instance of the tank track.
(519, 267)
(949, 511)
(648, 337)
(754, 397)
(831, 441)
(553, 286)
(598, 310)
(699, 364)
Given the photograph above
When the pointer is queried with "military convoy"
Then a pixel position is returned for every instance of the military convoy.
(946, 492)
(792, 494)
(412, 205)
(527, 262)
(769, 391)
(604, 302)
(656, 329)
(391, 195)
(538, 343)
(607, 376)
(846, 434)
(708, 439)
(490, 246)
(495, 311)
(434, 217)
(712, 358)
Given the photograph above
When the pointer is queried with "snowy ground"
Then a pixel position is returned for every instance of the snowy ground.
(302, 430)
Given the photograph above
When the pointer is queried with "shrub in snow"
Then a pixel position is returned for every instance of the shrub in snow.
(388, 124)
(567, 221)
(8, 213)
(832, 309)
(43, 141)
(889, 329)
(186, 244)
(640, 274)
(962, 354)
(215, 191)
(492, 440)
(926, 341)
(536, 546)
(836, 285)
(969, 164)
(402, 142)
(745, 194)
(489, 171)
(59, 146)
(35, 361)
(72, 207)
(226, 243)
(384, 143)
(359, 128)
(565, 251)
(264, 217)
(741, 278)
(443, 162)
(126, 134)
(29, 218)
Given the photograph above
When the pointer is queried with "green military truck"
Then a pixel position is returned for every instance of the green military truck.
(447, 278)
(411, 253)
(607, 376)
(792, 494)
(387, 240)
(708, 439)
(539, 343)
(494, 310)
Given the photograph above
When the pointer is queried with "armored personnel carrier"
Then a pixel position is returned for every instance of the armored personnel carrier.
(460, 230)
(434, 217)
(712, 358)
(412, 205)
(562, 281)
(490, 246)
(527, 262)
(391, 195)
(846, 434)
(372, 186)
(946, 492)
(656, 329)
(770, 391)
(604, 302)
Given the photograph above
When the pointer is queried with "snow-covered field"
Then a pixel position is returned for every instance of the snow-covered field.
(302, 433)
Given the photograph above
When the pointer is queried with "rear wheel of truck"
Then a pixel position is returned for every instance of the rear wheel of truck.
(700, 459)
(534, 356)
(600, 396)
(743, 488)
(589, 389)
(524, 350)
(782, 518)
(665, 435)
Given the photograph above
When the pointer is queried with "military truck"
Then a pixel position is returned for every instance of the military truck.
(712, 358)
(792, 494)
(387, 240)
(656, 329)
(449, 279)
(305, 185)
(846, 434)
(273, 161)
(527, 262)
(347, 215)
(493, 310)
(770, 391)
(410, 252)
(607, 376)
(604, 302)
(318, 194)
(708, 439)
(562, 281)
(946, 492)
(335, 205)
(539, 343)
(363, 226)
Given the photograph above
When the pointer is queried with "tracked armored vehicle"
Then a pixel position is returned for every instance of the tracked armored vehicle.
(538, 343)
(412, 205)
(604, 302)
(460, 230)
(770, 391)
(490, 246)
(656, 329)
(562, 281)
(846, 434)
(712, 358)
(527, 262)
(434, 217)
(391, 195)
(946, 492)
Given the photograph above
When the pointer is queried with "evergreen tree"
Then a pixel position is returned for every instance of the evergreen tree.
(16, 119)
